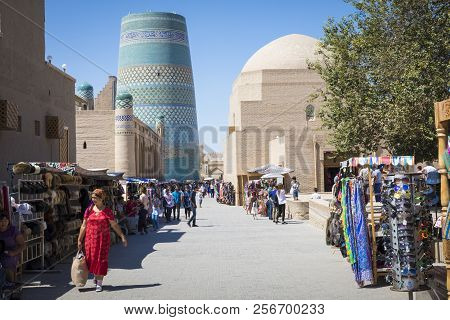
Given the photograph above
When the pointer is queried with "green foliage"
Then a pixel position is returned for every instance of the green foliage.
(384, 67)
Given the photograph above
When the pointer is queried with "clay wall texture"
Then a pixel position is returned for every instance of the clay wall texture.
(38, 88)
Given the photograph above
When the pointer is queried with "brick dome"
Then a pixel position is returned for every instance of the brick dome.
(288, 52)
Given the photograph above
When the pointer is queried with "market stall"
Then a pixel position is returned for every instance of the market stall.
(391, 238)
(49, 203)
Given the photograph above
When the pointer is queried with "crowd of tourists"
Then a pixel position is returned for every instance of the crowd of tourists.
(267, 198)
(144, 211)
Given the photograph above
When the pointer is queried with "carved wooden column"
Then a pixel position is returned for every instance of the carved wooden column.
(442, 116)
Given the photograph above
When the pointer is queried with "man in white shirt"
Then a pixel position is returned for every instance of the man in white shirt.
(281, 195)
(315, 195)
(429, 168)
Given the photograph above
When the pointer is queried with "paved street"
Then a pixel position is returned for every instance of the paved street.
(230, 256)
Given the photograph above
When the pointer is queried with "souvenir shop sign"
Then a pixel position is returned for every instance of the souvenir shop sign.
(386, 160)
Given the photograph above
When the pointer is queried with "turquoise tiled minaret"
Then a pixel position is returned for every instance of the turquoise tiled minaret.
(155, 68)
(86, 91)
(125, 149)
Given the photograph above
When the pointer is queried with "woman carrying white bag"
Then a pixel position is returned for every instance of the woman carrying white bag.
(95, 231)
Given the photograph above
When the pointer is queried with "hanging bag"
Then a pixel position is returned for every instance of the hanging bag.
(79, 272)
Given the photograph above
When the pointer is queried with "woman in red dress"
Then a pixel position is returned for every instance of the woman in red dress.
(95, 231)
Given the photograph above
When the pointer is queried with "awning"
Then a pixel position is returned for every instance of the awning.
(141, 180)
(394, 160)
(270, 168)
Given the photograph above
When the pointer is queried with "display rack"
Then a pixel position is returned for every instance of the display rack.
(373, 222)
(34, 245)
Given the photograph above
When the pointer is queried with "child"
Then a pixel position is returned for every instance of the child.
(142, 223)
(155, 214)
(255, 209)
(200, 198)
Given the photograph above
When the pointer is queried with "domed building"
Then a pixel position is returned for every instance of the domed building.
(272, 118)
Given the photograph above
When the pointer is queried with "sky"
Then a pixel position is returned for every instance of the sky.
(223, 35)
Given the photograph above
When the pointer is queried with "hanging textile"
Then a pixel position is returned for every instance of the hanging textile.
(356, 233)
(363, 250)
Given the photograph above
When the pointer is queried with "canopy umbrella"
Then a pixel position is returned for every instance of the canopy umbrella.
(270, 168)
(272, 176)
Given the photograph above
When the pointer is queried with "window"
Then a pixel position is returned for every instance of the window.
(37, 128)
(84, 145)
(19, 124)
(310, 113)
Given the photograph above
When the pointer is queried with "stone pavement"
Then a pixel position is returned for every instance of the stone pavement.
(230, 256)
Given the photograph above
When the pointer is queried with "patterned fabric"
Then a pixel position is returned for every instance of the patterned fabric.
(356, 233)
(364, 271)
(97, 240)
(396, 160)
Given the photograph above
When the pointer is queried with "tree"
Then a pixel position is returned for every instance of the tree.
(384, 66)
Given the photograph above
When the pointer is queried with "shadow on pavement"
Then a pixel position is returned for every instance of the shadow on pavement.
(55, 285)
(139, 247)
(110, 288)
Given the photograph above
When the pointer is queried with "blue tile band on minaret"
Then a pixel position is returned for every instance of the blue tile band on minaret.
(155, 68)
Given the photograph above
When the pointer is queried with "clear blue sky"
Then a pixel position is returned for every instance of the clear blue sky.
(222, 34)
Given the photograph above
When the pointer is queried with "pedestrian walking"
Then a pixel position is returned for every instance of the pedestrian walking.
(143, 214)
(168, 203)
(155, 214)
(274, 198)
(187, 202)
(200, 198)
(193, 199)
(281, 195)
(176, 194)
(95, 231)
(295, 188)
(269, 204)
(143, 198)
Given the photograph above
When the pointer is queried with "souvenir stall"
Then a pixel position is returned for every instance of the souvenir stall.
(442, 122)
(345, 191)
(133, 186)
(398, 231)
(226, 193)
(49, 203)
